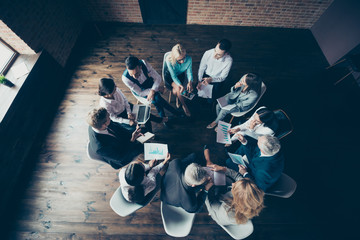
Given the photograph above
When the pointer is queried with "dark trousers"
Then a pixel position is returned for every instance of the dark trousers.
(160, 103)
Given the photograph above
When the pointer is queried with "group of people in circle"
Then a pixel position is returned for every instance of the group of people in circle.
(184, 182)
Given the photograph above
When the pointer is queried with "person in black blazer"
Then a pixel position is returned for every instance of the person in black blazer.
(266, 161)
(186, 184)
(112, 142)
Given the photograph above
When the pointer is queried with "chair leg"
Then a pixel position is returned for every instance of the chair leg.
(336, 63)
(231, 119)
(343, 77)
(169, 96)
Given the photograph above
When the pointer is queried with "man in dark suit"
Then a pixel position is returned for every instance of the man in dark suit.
(112, 142)
(186, 184)
(266, 161)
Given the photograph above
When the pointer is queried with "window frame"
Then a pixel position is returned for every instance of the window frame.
(11, 60)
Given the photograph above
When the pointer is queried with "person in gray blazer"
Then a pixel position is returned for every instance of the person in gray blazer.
(243, 95)
(238, 203)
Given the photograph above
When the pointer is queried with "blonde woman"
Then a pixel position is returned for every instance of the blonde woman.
(240, 203)
(178, 72)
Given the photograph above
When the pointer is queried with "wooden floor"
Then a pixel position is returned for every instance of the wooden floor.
(68, 194)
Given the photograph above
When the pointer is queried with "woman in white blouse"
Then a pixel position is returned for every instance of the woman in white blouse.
(262, 122)
(135, 183)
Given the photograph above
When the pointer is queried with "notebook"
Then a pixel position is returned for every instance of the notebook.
(223, 103)
(142, 113)
(147, 136)
(237, 159)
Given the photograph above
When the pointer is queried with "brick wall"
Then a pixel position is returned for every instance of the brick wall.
(44, 24)
(264, 13)
(111, 10)
(16, 43)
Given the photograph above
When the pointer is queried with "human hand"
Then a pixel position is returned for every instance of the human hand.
(217, 168)
(152, 163)
(209, 184)
(242, 169)
(189, 87)
(181, 88)
(238, 84)
(150, 96)
(198, 86)
(233, 131)
(137, 133)
(241, 138)
(131, 116)
(167, 158)
(207, 80)
(131, 122)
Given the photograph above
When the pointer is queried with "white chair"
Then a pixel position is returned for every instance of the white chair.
(239, 231)
(124, 208)
(163, 72)
(284, 187)
(177, 222)
(91, 154)
(239, 114)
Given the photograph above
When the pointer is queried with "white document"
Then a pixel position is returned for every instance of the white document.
(223, 103)
(205, 91)
(147, 136)
(155, 151)
(219, 178)
(237, 159)
(222, 135)
(20, 70)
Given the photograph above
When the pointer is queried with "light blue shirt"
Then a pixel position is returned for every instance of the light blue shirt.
(177, 69)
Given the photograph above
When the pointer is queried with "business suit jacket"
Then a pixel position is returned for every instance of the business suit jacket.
(264, 171)
(243, 100)
(174, 190)
(117, 151)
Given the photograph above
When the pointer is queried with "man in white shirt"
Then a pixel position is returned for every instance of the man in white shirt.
(144, 81)
(215, 67)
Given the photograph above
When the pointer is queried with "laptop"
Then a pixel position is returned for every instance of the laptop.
(142, 113)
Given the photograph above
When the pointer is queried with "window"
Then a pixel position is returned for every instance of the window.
(7, 56)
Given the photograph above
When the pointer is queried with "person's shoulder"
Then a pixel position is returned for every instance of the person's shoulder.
(228, 57)
(210, 51)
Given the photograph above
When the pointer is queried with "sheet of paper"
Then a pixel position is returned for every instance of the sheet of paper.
(205, 91)
(20, 70)
(155, 151)
(222, 135)
(146, 137)
(219, 178)
(237, 159)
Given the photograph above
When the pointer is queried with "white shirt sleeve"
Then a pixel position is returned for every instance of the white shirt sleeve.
(152, 73)
(150, 182)
(203, 65)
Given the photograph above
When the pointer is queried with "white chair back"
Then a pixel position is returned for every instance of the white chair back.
(284, 187)
(239, 231)
(91, 154)
(124, 208)
(177, 222)
(164, 65)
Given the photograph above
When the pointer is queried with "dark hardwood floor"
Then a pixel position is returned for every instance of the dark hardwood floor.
(68, 194)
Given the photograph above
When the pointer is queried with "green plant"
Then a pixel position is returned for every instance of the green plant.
(2, 79)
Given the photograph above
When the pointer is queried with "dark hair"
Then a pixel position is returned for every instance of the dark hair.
(254, 82)
(225, 45)
(268, 118)
(134, 174)
(136, 194)
(106, 86)
(132, 62)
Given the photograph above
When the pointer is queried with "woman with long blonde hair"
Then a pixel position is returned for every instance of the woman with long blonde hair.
(240, 202)
(178, 71)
